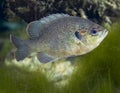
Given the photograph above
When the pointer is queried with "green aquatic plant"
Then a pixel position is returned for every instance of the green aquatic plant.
(95, 72)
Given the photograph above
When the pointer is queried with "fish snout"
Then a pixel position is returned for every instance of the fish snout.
(102, 35)
(105, 33)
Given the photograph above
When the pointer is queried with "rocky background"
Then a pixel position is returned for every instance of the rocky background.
(96, 10)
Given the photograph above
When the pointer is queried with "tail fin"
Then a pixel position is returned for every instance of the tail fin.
(22, 49)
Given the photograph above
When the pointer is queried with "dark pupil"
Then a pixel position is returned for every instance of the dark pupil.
(93, 31)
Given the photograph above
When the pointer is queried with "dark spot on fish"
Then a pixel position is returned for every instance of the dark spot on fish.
(78, 35)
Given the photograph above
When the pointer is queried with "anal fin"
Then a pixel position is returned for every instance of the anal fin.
(45, 58)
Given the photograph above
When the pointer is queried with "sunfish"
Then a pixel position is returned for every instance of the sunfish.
(59, 36)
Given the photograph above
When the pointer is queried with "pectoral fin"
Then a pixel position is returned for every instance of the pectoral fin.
(45, 58)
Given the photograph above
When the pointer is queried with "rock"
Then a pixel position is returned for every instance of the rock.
(92, 9)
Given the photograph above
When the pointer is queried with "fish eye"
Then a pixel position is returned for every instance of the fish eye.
(93, 32)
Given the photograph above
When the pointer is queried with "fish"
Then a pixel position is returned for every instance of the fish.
(58, 36)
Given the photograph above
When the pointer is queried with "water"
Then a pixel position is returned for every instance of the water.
(96, 72)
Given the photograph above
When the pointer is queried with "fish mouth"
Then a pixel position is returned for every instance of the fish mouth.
(104, 34)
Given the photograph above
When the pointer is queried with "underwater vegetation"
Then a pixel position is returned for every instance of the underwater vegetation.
(96, 72)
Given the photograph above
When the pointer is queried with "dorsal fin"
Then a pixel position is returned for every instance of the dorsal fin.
(34, 28)
(52, 17)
